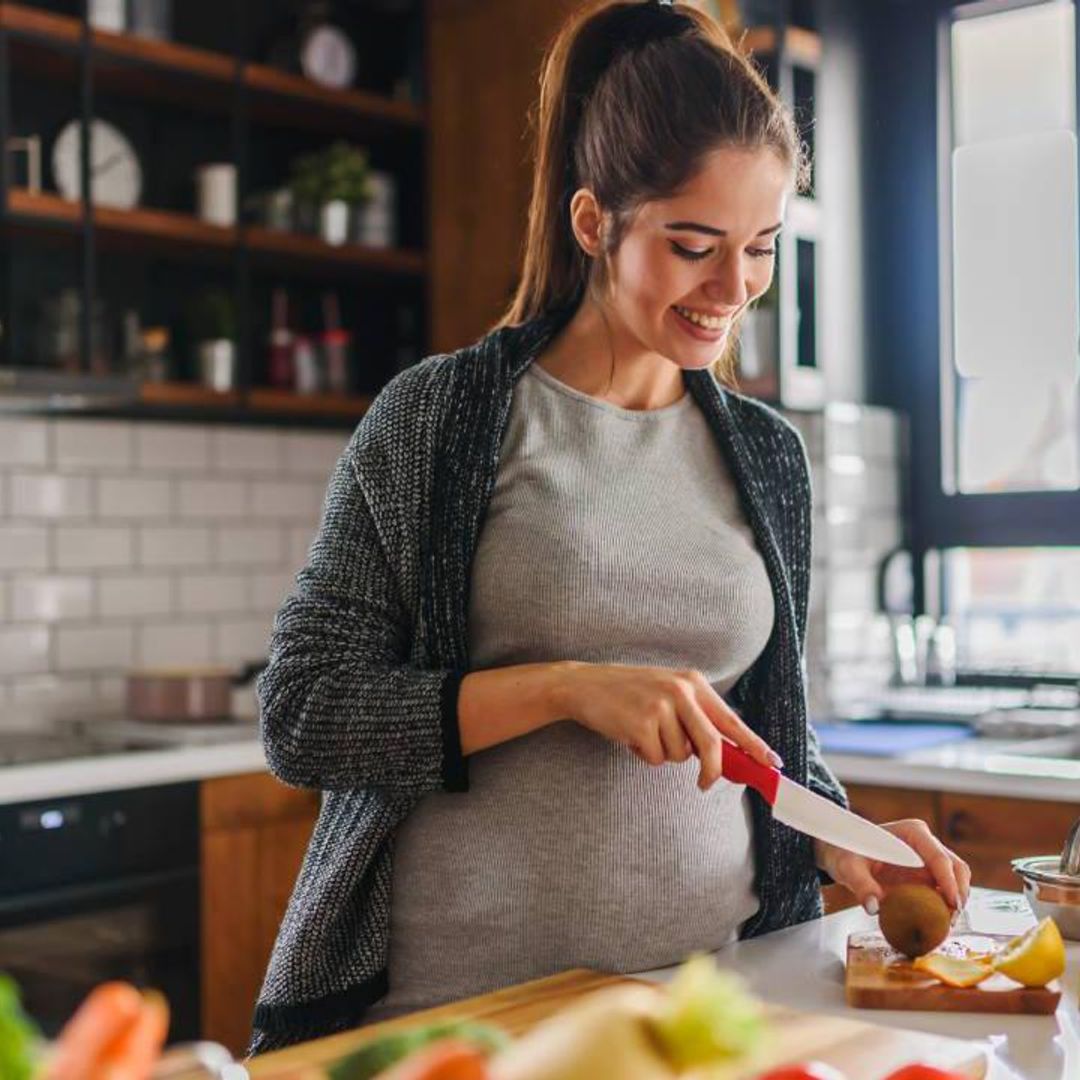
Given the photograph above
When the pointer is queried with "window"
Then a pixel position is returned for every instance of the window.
(1010, 288)
(1015, 608)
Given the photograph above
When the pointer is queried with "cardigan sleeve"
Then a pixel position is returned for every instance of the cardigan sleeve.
(340, 706)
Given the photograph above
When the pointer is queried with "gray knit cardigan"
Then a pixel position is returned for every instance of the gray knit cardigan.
(360, 695)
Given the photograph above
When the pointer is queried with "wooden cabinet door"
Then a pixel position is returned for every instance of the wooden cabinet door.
(484, 61)
(880, 804)
(989, 831)
(254, 835)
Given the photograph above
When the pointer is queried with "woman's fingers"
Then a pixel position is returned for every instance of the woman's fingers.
(856, 873)
(707, 743)
(674, 741)
(963, 877)
(725, 720)
(940, 861)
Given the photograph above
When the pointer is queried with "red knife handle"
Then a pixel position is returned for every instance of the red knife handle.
(738, 767)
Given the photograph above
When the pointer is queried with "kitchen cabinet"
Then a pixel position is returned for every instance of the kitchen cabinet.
(255, 831)
(987, 831)
(105, 300)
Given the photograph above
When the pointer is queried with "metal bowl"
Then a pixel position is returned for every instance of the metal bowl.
(1051, 892)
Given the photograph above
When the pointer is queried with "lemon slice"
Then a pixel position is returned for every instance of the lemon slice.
(1034, 958)
(954, 970)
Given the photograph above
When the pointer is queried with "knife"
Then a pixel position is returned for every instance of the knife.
(815, 815)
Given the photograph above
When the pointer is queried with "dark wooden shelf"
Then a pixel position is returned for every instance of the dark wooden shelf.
(285, 401)
(136, 64)
(188, 395)
(301, 248)
(166, 229)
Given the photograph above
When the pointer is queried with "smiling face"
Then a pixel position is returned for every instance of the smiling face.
(687, 265)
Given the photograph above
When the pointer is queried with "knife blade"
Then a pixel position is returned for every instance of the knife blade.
(813, 814)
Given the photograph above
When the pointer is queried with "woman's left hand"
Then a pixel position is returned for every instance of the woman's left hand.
(869, 879)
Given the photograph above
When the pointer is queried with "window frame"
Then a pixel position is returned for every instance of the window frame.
(993, 519)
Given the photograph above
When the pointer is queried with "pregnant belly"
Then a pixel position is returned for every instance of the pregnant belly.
(569, 851)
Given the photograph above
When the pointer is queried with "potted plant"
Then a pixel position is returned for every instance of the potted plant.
(213, 324)
(345, 187)
(306, 185)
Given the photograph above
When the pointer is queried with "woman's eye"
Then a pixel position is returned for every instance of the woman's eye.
(689, 253)
(761, 253)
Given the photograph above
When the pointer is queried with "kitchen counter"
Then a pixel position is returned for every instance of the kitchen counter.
(974, 767)
(129, 769)
(803, 967)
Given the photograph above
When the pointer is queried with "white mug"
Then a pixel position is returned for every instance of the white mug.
(216, 185)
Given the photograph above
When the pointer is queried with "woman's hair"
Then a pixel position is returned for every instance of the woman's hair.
(633, 95)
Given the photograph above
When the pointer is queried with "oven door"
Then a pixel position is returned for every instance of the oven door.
(59, 944)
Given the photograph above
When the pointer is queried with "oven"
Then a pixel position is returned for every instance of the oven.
(98, 887)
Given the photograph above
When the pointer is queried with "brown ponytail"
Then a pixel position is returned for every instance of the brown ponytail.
(633, 95)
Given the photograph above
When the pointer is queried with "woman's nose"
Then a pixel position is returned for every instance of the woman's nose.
(727, 285)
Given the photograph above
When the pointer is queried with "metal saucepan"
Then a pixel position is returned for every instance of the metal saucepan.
(186, 695)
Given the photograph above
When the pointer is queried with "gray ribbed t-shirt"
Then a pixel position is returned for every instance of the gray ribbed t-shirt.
(612, 536)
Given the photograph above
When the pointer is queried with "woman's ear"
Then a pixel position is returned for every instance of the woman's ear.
(587, 221)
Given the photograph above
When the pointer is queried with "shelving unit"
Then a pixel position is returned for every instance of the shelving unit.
(252, 100)
(787, 366)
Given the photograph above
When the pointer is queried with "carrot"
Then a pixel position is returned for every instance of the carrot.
(133, 1055)
(449, 1059)
(106, 1013)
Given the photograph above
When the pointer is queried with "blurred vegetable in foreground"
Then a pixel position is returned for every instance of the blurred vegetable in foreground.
(386, 1050)
(704, 1019)
(18, 1036)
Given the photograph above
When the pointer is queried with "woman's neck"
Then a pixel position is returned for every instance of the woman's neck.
(596, 355)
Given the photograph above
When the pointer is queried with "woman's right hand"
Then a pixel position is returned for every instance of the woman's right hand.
(662, 714)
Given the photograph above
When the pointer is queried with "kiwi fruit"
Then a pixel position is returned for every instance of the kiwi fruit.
(914, 919)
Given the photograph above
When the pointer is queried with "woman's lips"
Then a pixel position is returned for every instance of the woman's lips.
(699, 332)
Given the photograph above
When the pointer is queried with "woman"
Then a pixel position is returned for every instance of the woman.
(554, 570)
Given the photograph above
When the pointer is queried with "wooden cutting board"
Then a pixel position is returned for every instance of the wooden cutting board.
(880, 978)
(863, 1051)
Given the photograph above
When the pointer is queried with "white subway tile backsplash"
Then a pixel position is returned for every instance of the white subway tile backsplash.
(137, 498)
(873, 433)
(213, 499)
(270, 589)
(314, 455)
(123, 542)
(94, 647)
(24, 547)
(205, 594)
(95, 547)
(172, 447)
(35, 495)
(111, 692)
(250, 546)
(24, 649)
(175, 644)
(53, 696)
(93, 444)
(24, 442)
(286, 501)
(242, 640)
(48, 599)
(174, 546)
(246, 451)
(300, 541)
(131, 595)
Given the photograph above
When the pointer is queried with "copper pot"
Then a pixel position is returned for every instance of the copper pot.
(186, 695)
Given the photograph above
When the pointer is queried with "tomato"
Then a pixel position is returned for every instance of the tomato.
(923, 1072)
(810, 1070)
